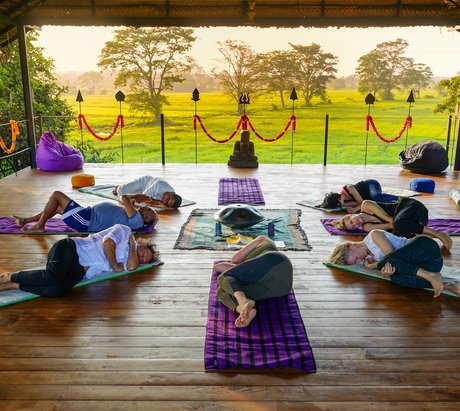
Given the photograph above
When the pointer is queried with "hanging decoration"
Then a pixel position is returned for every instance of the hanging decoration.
(120, 123)
(14, 134)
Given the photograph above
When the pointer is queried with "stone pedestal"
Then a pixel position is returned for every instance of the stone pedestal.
(243, 153)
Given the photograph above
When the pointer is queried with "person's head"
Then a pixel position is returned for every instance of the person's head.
(149, 215)
(171, 199)
(145, 253)
(348, 253)
(331, 200)
(349, 222)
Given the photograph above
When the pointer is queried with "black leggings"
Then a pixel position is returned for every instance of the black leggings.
(62, 272)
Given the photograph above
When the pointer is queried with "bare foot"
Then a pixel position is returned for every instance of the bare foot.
(453, 287)
(5, 277)
(8, 286)
(446, 240)
(18, 220)
(34, 229)
(247, 313)
(435, 280)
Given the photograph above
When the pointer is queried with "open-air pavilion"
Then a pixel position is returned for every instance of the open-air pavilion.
(137, 342)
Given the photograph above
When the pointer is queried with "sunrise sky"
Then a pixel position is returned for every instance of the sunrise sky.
(77, 48)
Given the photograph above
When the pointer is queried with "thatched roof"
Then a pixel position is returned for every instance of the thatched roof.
(281, 13)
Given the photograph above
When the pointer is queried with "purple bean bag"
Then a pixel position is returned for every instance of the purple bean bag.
(54, 155)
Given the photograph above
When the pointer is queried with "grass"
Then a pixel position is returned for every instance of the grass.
(346, 142)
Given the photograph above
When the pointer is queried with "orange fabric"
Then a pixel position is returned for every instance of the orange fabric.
(82, 180)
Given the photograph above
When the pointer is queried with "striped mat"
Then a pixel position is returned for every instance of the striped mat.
(276, 337)
(240, 191)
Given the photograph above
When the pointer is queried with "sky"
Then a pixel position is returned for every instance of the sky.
(78, 48)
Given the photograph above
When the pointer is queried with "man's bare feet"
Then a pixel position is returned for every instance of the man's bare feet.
(436, 282)
(446, 240)
(5, 277)
(453, 287)
(34, 229)
(8, 286)
(18, 220)
(247, 313)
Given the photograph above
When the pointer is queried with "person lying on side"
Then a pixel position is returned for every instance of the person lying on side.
(89, 219)
(256, 272)
(153, 191)
(69, 259)
(406, 218)
(414, 263)
(352, 195)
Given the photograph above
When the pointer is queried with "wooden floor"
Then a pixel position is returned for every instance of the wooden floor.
(136, 343)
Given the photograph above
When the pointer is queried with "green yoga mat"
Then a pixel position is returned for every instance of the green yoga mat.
(449, 274)
(199, 231)
(105, 191)
(9, 297)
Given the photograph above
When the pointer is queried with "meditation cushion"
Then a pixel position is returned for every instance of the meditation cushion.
(238, 216)
(54, 155)
(427, 157)
(423, 185)
(455, 196)
(82, 180)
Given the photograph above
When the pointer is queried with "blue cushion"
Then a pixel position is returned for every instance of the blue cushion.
(421, 184)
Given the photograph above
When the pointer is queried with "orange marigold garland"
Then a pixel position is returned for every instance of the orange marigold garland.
(120, 123)
(14, 134)
(370, 121)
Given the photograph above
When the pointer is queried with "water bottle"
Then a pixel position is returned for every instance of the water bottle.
(218, 230)
(271, 229)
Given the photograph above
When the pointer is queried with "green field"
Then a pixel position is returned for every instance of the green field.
(347, 135)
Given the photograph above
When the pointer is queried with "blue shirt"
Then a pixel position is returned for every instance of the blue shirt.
(106, 214)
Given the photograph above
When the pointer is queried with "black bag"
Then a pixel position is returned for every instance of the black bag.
(427, 157)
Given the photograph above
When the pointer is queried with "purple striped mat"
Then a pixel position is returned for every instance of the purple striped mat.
(240, 191)
(276, 337)
(53, 226)
(448, 225)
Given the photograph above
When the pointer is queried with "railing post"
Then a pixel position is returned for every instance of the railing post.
(162, 127)
(449, 127)
(40, 124)
(326, 136)
(457, 151)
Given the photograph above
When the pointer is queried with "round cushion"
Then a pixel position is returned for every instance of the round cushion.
(82, 180)
(421, 184)
(238, 216)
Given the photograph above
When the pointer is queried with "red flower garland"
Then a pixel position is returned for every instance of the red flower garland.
(407, 123)
(14, 134)
(120, 123)
(243, 123)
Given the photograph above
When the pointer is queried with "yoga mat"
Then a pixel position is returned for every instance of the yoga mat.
(448, 225)
(275, 338)
(400, 192)
(56, 226)
(314, 204)
(240, 191)
(199, 231)
(9, 297)
(105, 191)
(450, 274)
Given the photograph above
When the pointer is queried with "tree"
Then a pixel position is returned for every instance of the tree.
(242, 74)
(149, 61)
(90, 80)
(386, 68)
(47, 95)
(277, 72)
(449, 104)
(417, 77)
(314, 68)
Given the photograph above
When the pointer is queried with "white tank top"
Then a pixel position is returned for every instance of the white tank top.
(396, 242)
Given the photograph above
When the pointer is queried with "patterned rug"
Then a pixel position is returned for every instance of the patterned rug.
(240, 191)
(199, 231)
(276, 337)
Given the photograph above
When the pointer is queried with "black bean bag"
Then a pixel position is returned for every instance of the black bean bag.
(427, 157)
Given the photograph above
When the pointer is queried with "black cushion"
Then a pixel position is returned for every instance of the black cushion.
(427, 157)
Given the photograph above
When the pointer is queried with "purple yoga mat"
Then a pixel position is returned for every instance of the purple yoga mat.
(240, 191)
(53, 225)
(276, 337)
(448, 225)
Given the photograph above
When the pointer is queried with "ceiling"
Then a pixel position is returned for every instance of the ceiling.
(192, 13)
